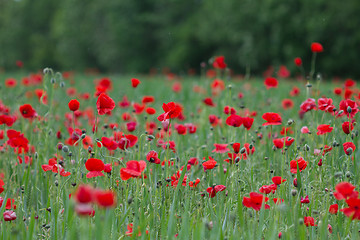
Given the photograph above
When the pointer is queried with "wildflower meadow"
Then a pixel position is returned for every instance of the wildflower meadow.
(167, 156)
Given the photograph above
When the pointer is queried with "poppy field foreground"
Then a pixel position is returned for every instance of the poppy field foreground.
(211, 157)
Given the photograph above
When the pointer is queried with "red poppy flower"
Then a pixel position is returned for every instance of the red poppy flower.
(133, 169)
(9, 216)
(104, 104)
(193, 161)
(8, 120)
(105, 199)
(278, 142)
(220, 148)
(139, 108)
(346, 128)
(1, 185)
(236, 147)
(208, 101)
(135, 82)
(283, 72)
(10, 82)
(278, 180)
(305, 199)
(219, 62)
(295, 91)
(95, 167)
(298, 61)
(353, 209)
(325, 104)
(74, 105)
(153, 157)
(150, 111)
(324, 129)
(171, 110)
(181, 129)
(131, 126)
(349, 148)
(234, 120)
(247, 122)
(345, 190)
(301, 162)
(17, 140)
(109, 143)
(271, 119)
(124, 103)
(27, 111)
(308, 105)
(215, 189)
(287, 103)
(194, 183)
(349, 83)
(271, 82)
(316, 47)
(334, 208)
(266, 189)
(349, 107)
(209, 164)
(255, 201)
(337, 91)
(84, 194)
(309, 221)
(191, 128)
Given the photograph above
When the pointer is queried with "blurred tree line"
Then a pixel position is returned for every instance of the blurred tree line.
(133, 36)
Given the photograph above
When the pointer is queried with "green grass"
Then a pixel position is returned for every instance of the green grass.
(164, 210)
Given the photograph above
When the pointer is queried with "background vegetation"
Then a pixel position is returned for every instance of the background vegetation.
(133, 36)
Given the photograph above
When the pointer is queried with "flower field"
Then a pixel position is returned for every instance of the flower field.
(212, 157)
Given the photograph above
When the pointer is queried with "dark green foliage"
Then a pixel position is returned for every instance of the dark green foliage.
(134, 36)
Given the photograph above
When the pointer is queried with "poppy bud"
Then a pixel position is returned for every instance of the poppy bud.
(294, 192)
(341, 112)
(65, 148)
(242, 151)
(320, 162)
(301, 221)
(349, 151)
(48, 209)
(46, 71)
(62, 84)
(308, 85)
(56, 183)
(349, 110)
(151, 137)
(83, 136)
(295, 182)
(36, 155)
(229, 86)
(306, 148)
(290, 122)
(266, 158)
(338, 174)
(348, 174)
(334, 143)
(318, 77)
(53, 80)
